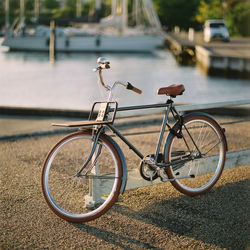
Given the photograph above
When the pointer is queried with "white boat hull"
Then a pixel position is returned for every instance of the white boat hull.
(137, 43)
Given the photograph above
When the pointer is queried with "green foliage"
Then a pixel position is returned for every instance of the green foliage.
(182, 13)
(209, 10)
(13, 12)
(71, 4)
(2, 17)
(177, 12)
(236, 13)
(14, 4)
(70, 9)
(238, 19)
(51, 4)
(64, 12)
(29, 5)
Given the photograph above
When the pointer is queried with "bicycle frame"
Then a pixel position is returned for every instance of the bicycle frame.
(104, 64)
(168, 108)
(105, 169)
(102, 121)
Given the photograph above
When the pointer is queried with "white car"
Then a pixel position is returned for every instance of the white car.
(215, 30)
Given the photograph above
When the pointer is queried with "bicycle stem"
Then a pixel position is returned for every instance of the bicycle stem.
(108, 88)
(101, 79)
(112, 88)
(104, 64)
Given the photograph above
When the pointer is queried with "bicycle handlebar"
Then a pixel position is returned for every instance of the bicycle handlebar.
(104, 64)
(131, 87)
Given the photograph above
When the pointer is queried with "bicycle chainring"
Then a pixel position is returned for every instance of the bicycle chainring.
(147, 169)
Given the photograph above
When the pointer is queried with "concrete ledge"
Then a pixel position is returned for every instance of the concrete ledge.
(26, 111)
(226, 65)
(134, 180)
(233, 159)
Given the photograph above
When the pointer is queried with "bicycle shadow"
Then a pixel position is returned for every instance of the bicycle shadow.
(218, 218)
(115, 238)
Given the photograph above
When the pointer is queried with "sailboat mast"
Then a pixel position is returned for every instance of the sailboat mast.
(36, 9)
(7, 14)
(98, 9)
(22, 11)
(137, 13)
(78, 8)
(124, 15)
(114, 6)
(151, 14)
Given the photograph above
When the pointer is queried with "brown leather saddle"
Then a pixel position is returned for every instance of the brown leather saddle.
(172, 90)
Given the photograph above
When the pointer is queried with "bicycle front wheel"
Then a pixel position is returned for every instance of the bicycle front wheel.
(197, 159)
(88, 196)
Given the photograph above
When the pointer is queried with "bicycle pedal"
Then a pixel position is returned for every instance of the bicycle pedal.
(161, 173)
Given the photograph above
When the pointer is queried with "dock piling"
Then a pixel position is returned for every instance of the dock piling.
(52, 48)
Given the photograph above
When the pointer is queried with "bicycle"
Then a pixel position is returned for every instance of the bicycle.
(85, 172)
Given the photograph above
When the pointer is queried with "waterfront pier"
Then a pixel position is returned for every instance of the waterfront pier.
(230, 59)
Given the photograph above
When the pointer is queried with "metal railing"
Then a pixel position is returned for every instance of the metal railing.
(233, 159)
(212, 105)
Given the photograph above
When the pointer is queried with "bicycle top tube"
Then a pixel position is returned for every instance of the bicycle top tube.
(171, 90)
(146, 106)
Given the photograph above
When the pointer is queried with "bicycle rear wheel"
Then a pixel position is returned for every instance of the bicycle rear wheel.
(198, 158)
(84, 198)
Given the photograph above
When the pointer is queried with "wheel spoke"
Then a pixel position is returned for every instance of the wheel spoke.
(86, 196)
(204, 158)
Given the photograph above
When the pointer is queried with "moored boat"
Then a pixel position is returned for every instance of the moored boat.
(111, 34)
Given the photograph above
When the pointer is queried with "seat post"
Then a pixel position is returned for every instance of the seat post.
(163, 127)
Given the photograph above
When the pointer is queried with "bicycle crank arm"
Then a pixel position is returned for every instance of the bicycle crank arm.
(176, 178)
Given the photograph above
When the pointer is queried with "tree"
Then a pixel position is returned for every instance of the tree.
(51, 4)
(238, 19)
(177, 12)
(209, 10)
(235, 12)
(29, 5)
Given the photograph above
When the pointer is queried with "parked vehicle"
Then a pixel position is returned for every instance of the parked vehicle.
(216, 30)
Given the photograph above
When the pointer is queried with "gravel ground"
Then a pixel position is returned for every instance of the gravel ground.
(154, 217)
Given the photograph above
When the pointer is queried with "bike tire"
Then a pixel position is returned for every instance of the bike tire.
(81, 199)
(196, 176)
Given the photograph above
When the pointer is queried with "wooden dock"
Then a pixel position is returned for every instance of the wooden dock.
(230, 59)
(182, 48)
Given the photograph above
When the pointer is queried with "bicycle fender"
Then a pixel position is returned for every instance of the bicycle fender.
(176, 126)
(123, 161)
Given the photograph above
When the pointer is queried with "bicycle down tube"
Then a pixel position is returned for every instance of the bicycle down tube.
(168, 107)
(84, 173)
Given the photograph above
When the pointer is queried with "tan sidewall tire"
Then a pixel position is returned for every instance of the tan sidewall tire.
(169, 169)
(116, 193)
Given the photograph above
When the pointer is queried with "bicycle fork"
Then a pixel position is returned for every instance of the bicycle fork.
(94, 196)
(91, 155)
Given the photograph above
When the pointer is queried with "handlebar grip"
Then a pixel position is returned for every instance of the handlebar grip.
(131, 87)
(138, 91)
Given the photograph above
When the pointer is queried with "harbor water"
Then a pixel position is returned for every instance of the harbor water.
(30, 80)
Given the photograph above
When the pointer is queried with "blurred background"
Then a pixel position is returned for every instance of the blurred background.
(49, 48)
